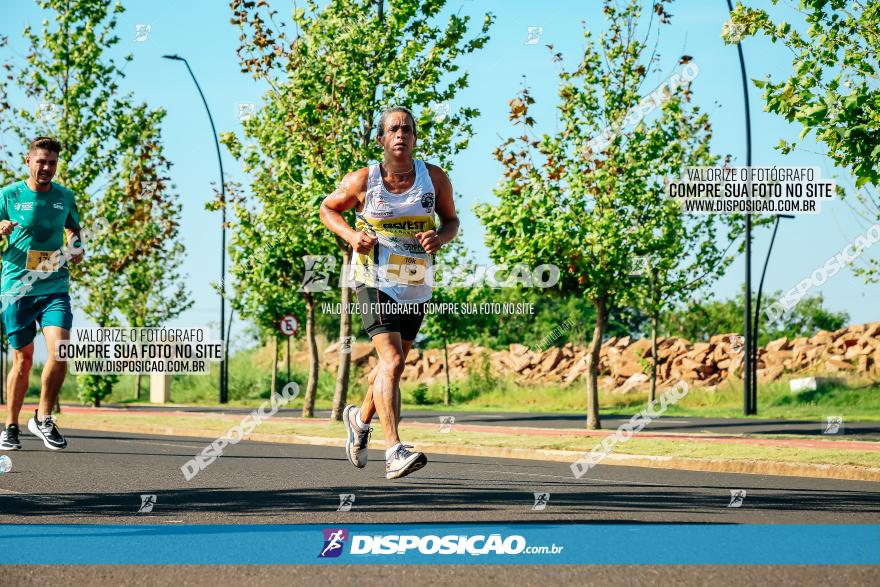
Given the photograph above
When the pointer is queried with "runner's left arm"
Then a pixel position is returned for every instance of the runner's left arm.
(444, 205)
(74, 233)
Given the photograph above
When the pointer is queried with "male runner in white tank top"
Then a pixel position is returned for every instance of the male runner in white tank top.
(394, 241)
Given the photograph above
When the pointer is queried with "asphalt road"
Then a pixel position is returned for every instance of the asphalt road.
(101, 477)
(863, 430)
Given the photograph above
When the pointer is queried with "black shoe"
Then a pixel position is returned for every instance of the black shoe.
(47, 431)
(9, 438)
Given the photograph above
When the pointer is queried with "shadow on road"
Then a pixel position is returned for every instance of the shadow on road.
(422, 496)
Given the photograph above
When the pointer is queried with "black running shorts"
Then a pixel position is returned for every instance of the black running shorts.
(381, 313)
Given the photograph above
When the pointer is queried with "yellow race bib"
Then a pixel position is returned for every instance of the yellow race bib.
(406, 269)
(35, 258)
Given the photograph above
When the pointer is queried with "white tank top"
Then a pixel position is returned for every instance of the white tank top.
(397, 264)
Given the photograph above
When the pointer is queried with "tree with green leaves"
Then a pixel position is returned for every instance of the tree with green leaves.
(270, 237)
(153, 292)
(444, 328)
(112, 143)
(547, 314)
(345, 62)
(832, 90)
(585, 203)
(680, 253)
(698, 320)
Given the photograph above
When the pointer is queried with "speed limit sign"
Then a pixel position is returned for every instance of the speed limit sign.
(288, 325)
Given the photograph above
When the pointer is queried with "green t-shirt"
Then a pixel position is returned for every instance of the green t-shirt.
(42, 218)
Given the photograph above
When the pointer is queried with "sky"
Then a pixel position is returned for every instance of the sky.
(199, 30)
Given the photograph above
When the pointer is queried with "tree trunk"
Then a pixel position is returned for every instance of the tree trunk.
(593, 367)
(344, 366)
(308, 410)
(137, 386)
(447, 395)
(274, 387)
(340, 395)
(653, 394)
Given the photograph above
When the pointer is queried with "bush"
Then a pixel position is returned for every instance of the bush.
(94, 388)
(479, 380)
(420, 395)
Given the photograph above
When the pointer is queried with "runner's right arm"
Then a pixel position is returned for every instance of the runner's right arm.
(6, 225)
(349, 193)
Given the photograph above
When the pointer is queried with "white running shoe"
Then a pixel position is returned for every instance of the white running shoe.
(403, 462)
(358, 438)
(47, 431)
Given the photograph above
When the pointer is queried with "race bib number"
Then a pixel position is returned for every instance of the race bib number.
(406, 269)
(50, 261)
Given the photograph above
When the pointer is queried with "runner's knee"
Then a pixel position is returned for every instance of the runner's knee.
(23, 359)
(55, 365)
(392, 366)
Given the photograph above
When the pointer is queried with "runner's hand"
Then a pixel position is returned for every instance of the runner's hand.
(364, 243)
(7, 226)
(430, 241)
(76, 252)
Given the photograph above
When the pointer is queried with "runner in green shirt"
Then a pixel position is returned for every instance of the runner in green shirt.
(35, 215)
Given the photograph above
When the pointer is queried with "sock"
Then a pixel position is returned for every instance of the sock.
(392, 450)
(360, 423)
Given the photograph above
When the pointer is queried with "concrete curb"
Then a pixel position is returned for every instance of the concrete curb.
(749, 467)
